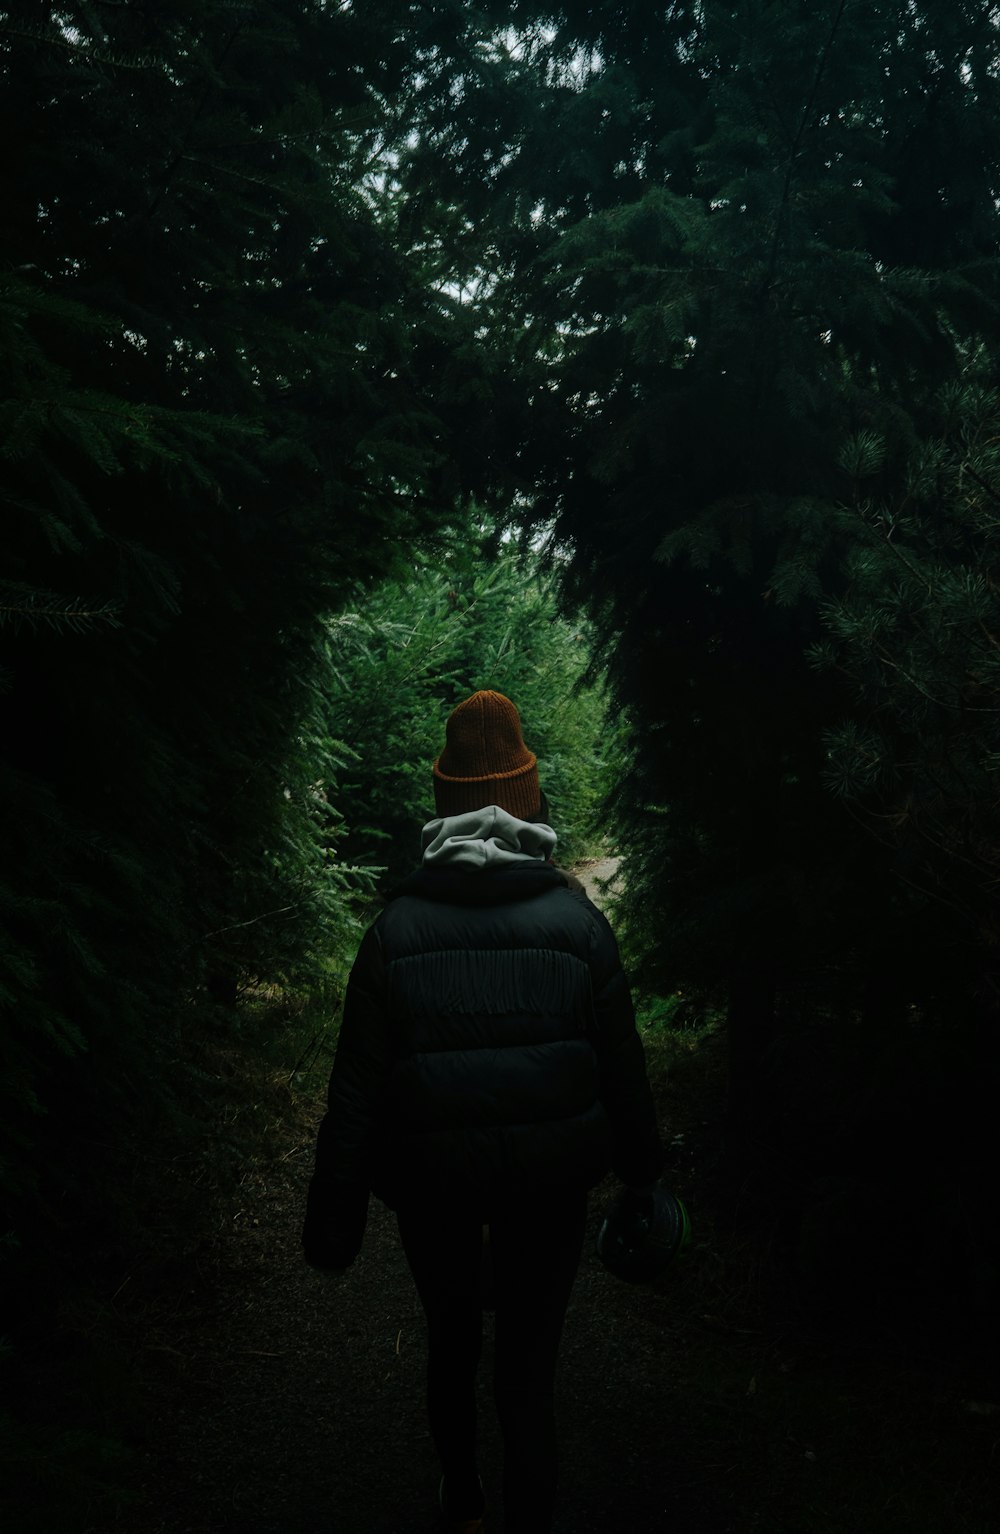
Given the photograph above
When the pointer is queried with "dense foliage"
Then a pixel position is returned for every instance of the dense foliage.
(917, 631)
(219, 416)
(705, 297)
(731, 240)
(475, 613)
(741, 267)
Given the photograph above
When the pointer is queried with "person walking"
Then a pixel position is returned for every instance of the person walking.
(488, 1074)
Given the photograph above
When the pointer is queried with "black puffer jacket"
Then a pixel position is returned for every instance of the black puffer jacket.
(488, 1045)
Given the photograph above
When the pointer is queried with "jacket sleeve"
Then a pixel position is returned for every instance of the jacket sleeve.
(624, 1085)
(337, 1201)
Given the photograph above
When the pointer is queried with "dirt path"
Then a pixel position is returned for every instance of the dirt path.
(597, 878)
(293, 1403)
(286, 1402)
(304, 1409)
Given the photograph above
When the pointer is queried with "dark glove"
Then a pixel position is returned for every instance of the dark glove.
(336, 1215)
(326, 1250)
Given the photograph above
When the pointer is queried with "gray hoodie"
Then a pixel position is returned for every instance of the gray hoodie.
(486, 838)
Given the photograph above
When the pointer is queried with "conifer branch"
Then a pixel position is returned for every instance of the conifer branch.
(943, 843)
(22, 605)
(797, 143)
(779, 118)
(192, 124)
(252, 920)
(982, 483)
(954, 706)
(97, 55)
(27, 610)
(915, 571)
(934, 893)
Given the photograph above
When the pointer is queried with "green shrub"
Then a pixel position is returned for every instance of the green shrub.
(476, 612)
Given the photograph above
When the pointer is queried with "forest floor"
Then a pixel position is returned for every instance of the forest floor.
(281, 1401)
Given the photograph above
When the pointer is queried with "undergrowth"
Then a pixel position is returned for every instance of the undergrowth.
(773, 1396)
(826, 1427)
(82, 1414)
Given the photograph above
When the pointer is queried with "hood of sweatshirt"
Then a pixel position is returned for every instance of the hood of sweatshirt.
(488, 839)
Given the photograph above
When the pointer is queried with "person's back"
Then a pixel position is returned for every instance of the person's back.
(488, 1073)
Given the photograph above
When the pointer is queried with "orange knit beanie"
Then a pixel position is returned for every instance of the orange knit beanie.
(485, 760)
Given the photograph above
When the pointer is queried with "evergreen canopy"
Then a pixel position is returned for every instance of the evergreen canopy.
(220, 413)
(724, 243)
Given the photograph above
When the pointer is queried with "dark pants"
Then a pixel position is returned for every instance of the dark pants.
(535, 1249)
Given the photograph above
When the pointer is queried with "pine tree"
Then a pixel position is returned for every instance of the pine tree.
(728, 241)
(916, 632)
(220, 413)
(718, 272)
